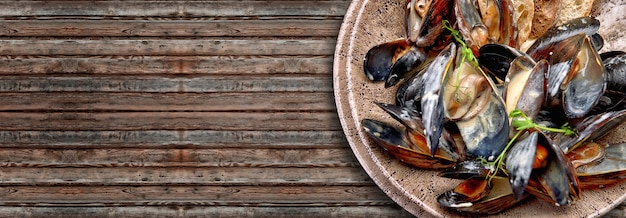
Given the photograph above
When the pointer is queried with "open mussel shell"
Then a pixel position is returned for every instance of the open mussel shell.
(591, 128)
(466, 169)
(415, 12)
(399, 144)
(498, 16)
(519, 162)
(585, 25)
(555, 180)
(576, 75)
(404, 115)
(525, 86)
(495, 59)
(609, 101)
(470, 100)
(486, 134)
(586, 153)
(615, 68)
(584, 88)
(608, 171)
(409, 93)
(560, 64)
(432, 24)
(470, 190)
(499, 198)
(597, 41)
(491, 23)
(470, 24)
(467, 91)
(455, 149)
(392, 61)
(432, 95)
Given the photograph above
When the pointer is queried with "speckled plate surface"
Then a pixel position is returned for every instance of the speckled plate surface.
(371, 22)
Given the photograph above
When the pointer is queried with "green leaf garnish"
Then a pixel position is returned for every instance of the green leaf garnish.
(466, 54)
(466, 51)
(522, 124)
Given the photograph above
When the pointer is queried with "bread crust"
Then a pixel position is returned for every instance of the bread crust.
(546, 12)
(570, 9)
(524, 11)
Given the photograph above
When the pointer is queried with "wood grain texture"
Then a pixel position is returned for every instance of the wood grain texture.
(201, 195)
(214, 101)
(247, 210)
(186, 9)
(174, 47)
(129, 121)
(175, 109)
(163, 84)
(198, 27)
(179, 157)
(167, 139)
(170, 65)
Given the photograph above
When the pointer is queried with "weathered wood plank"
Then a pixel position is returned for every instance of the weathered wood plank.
(248, 101)
(215, 157)
(187, 176)
(170, 139)
(201, 195)
(165, 84)
(168, 47)
(170, 28)
(173, 8)
(69, 121)
(383, 210)
(197, 65)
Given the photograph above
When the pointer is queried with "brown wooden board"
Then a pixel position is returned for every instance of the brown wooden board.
(175, 109)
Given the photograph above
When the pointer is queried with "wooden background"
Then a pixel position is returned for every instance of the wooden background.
(176, 109)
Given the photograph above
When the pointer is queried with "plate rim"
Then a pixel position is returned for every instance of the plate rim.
(344, 102)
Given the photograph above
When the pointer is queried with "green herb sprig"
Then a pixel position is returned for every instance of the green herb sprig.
(467, 52)
(522, 123)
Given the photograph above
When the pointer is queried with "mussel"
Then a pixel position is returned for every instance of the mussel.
(492, 199)
(605, 171)
(460, 102)
(432, 95)
(407, 146)
(391, 61)
(552, 177)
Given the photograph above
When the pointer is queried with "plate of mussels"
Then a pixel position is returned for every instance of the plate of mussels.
(487, 107)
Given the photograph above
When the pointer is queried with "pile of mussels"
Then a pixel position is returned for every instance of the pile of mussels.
(512, 124)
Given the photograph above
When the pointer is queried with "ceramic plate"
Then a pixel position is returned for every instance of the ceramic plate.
(371, 22)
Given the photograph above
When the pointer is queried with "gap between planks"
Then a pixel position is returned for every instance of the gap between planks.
(173, 139)
(69, 121)
(175, 102)
(167, 47)
(207, 157)
(227, 195)
(174, 8)
(158, 84)
(191, 209)
(184, 176)
(167, 65)
(77, 27)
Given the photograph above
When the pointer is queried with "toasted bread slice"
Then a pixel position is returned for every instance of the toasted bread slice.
(523, 15)
(546, 12)
(571, 9)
